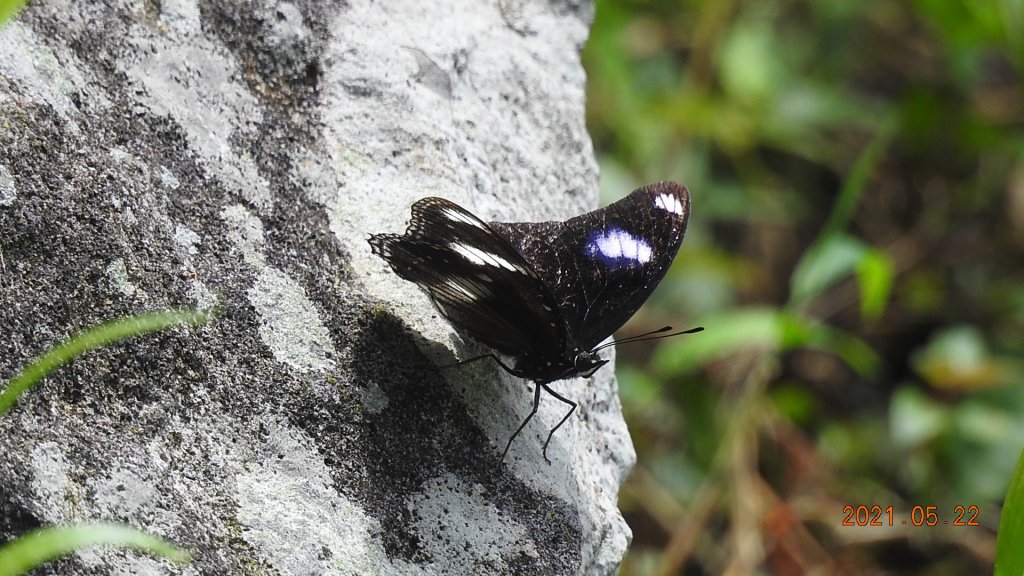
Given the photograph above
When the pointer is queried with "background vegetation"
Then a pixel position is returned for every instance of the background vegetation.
(856, 253)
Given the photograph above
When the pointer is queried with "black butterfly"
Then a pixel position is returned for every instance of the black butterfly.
(546, 293)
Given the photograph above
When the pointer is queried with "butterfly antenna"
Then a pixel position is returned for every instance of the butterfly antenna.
(652, 335)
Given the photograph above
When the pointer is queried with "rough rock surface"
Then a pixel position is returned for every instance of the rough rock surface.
(168, 153)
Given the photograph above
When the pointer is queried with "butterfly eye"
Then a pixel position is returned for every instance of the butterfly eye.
(593, 364)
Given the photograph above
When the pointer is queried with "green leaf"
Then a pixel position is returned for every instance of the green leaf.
(915, 419)
(731, 331)
(852, 350)
(749, 62)
(794, 401)
(106, 333)
(835, 255)
(957, 358)
(875, 275)
(824, 264)
(40, 546)
(767, 329)
(1009, 551)
(8, 8)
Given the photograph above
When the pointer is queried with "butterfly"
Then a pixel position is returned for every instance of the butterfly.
(545, 294)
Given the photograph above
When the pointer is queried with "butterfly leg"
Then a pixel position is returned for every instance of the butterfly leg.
(560, 422)
(511, 371)
(533, 412)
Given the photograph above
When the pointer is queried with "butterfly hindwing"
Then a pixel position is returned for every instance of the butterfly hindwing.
(475, 277)
(600, 267)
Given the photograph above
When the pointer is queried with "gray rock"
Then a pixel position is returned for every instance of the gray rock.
(175, 154)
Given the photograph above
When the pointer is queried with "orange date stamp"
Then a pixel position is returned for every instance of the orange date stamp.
(917, 516)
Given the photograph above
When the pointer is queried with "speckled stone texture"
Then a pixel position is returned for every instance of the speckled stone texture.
(164, 153)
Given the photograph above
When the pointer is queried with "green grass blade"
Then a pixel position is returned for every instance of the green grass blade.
(101, 335)
(39, 546)
(1010, 539)
(853, 187)
(8, 8)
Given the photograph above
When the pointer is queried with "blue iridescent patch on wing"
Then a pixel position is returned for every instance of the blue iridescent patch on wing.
(616, 248)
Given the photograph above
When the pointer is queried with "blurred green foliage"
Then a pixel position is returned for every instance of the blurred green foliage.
(856, 254)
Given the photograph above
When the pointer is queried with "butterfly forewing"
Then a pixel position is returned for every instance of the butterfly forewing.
(475, 277)
(605, 264)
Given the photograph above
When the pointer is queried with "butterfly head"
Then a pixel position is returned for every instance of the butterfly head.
(586, 363)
